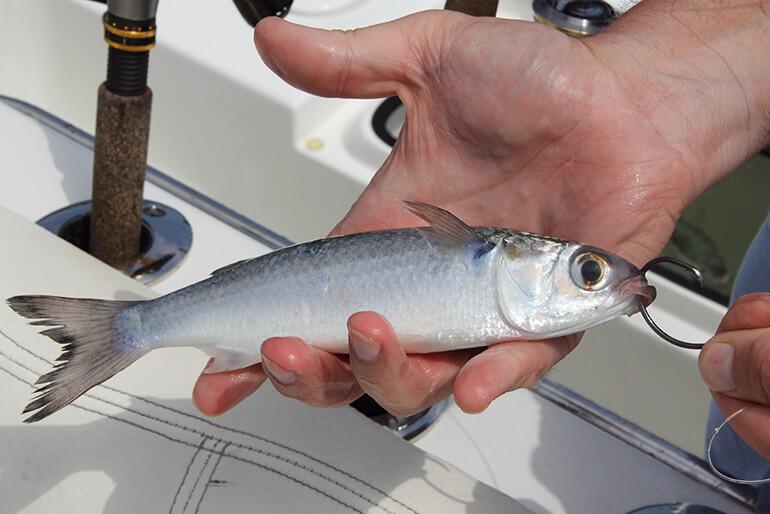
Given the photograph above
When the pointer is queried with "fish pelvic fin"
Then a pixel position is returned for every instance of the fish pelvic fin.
(96, 344)
(224, 359)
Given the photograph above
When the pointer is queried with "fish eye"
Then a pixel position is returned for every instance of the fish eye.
(589, 271)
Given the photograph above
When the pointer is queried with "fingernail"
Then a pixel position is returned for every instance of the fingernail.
(365, 348)
(716, 366)
(283, 376)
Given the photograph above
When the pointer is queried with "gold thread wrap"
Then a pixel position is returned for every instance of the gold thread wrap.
(131, 34)
(129, 48)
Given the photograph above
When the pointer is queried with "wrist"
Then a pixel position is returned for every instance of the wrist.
(698, 75)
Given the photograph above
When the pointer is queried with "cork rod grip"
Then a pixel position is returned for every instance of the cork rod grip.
(120, 159)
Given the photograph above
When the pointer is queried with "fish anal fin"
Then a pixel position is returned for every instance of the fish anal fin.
(447, 230)
(223, 359)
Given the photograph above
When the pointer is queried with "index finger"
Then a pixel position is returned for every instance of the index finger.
(505, 367)
(216, 393)
(402, 384)
(748, 312)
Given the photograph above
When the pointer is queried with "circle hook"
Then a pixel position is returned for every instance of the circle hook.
(646, 315)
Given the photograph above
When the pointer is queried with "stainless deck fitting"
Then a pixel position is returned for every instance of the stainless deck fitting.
(166, 237)
(577, 18)
(411, 426)
(407, 427)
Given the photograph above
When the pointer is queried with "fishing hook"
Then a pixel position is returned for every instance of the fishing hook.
(646, 315)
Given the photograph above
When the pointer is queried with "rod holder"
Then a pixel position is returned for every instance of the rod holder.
(122, 134)
(166, 237)
(123, 125)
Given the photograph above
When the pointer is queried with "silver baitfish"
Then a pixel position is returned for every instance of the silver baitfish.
(443, 287)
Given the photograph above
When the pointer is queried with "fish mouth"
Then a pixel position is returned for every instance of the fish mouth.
(638, 286)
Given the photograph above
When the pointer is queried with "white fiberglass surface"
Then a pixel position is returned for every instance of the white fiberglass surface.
(265, 449)
(50, 172)
(223, 124)
(525, 447)
(220, 116)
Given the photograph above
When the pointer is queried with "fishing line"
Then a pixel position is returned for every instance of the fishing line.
(695, 346)
(711, 463)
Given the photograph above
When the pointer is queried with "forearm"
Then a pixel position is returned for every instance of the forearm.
(699, 71)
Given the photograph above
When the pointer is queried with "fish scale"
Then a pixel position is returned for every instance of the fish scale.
(432, 299)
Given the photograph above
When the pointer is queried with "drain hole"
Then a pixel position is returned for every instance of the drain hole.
(77, 231)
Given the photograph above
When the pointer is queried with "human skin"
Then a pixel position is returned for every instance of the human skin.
(602, 140)
(735, 364)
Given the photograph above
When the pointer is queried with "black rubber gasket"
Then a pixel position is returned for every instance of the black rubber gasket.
(380, 118)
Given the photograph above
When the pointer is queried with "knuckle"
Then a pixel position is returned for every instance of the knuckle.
(436, 385)
(760, 356)
(321, 394)
(534, 371)
(527, 380)
(522, 368)
(539, 371)
(403, 391)
(375, 382)
(406, 403)
(339, 394)
(346, 67)
(397, 401)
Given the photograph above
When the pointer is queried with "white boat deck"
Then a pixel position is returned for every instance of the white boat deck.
(543, 456)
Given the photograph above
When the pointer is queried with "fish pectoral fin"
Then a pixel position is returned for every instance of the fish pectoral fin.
(224, 359)
(446, 229)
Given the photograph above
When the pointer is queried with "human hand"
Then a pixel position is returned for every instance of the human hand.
(735, 364)
(508, 124)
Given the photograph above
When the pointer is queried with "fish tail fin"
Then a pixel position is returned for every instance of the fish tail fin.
(96, 345)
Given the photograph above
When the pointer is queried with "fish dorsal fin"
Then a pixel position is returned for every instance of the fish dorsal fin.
(228, 267)
(448, 229)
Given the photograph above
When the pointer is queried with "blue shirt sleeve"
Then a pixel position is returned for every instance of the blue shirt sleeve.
(729, 453)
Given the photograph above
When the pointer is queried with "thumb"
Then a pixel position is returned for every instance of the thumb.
(737, 364)
(371, 62)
